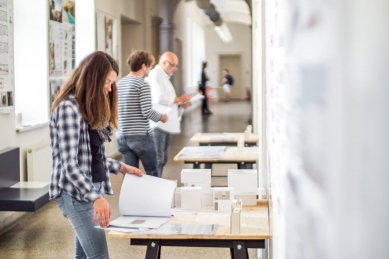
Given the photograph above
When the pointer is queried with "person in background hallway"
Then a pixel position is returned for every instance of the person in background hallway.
(227, 82)
(135, 139)
(163, 93)
(203, 89)
(80, 123)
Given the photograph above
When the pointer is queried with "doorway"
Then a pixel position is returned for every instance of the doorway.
(132, 39)
(233, 64)
(177, 77)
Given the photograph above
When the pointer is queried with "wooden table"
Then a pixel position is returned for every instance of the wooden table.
(254, 232)
(223, 139)
(244, 160)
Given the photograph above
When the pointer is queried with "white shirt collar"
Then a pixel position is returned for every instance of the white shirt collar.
(163, 71)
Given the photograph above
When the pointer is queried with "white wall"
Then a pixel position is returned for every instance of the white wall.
(31, 67)
(189, 21)
(85, 29)
(131, 9)
(241, 44)
(130, 43)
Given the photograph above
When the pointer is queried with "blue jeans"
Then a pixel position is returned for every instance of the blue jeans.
(135, 147)
(89, 242)
(162, 142)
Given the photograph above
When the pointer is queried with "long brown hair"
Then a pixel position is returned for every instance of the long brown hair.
(87, 84)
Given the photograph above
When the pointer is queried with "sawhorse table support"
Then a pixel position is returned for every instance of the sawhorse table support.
(238, 248)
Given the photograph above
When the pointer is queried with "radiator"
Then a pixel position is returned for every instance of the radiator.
(39, 162)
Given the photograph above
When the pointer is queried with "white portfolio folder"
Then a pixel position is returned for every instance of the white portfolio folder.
(144, 202)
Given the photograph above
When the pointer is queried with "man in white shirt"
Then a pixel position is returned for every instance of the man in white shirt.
(163, 93)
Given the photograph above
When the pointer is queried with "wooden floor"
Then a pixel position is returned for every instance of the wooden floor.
(47, 234)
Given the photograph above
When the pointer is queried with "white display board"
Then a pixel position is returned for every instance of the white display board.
(7, 84)
(327, 140)
(276, 115)
(62, 39)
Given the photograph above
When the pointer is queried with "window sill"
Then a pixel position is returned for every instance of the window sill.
(21, 128)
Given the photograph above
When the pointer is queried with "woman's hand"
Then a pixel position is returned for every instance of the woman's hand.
(101, 212)
(126, 169)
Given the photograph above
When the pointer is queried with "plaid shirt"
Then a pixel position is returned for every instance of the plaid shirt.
(72, 159)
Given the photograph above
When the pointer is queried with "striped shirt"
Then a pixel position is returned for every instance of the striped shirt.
(135, 106)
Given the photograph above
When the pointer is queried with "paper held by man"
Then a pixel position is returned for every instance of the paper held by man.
(144, 203)
(195, 98)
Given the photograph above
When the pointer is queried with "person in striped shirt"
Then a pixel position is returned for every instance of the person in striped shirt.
(135, 139)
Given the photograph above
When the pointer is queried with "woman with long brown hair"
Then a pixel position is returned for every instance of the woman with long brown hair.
(82, 119)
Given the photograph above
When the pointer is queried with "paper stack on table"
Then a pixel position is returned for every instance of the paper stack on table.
(222, 138)
(144, 203)
(203, 152)
(183, 229)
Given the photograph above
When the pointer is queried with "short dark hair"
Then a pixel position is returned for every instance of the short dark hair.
(138, 58)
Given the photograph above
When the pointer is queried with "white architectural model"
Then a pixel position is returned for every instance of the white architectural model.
(199, 178)
(191, 198)
(222, 198)
(236, 210)
(244, 182)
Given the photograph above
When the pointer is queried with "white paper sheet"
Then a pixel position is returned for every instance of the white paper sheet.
(183, 229)
(222, 138)
(123, 229)
(203, 152)
(146, 196)
(194, 98)
(138, 222)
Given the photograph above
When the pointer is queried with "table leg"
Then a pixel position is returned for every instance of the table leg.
(153, 250)
(239, 250)
(196, 165)
(243, 165)
(208, 166)
(249, 165)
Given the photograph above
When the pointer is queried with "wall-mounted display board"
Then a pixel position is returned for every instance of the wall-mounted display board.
(106, 38)
(327, 128)
(276, 116)
(7, 85)
(62, 34)
(298, 122)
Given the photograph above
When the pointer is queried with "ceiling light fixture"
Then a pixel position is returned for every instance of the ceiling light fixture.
(223, 32)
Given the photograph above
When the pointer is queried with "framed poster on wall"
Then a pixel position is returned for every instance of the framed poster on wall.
(7, 85)
(106, 36)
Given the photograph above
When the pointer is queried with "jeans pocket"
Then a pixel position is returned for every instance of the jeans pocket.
(152, 138)
(121, 144)
(138, 145)
(61, 205)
